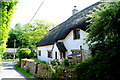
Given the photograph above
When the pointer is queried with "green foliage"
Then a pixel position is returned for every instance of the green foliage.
(6, 11)
(104, 37)
(24, 53)
(17, 34)
(104, 27)
(35, 32)
(27, 70)
(54, 62)
(24, 72)
(64, 62)
(8, 55)
(28, 35)
(104, 66)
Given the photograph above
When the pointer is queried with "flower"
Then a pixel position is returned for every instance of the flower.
(24, 66)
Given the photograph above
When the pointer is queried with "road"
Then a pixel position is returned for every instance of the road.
(8, 72)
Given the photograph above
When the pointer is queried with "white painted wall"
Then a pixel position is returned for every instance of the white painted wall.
(69, 43)
(44, 53)
(11, 50)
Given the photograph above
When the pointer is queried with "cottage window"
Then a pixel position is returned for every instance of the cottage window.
(49, 54)
(39, 53)
(76, 34)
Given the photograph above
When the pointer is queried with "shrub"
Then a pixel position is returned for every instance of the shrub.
(33, 55)
(8, 55)
(54, 62)
(24, 52)
(104, 66)
(64, 62)
(27, 70)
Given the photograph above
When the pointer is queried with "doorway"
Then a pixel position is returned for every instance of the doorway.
(55, 55)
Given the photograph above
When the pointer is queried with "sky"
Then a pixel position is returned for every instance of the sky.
(55, 11)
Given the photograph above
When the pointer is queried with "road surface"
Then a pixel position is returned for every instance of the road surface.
(8, 72)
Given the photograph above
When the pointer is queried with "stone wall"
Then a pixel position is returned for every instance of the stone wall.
(63, 73)
(41, 70)
(44, 71)
(29, 64)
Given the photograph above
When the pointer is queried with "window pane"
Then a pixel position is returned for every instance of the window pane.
(49, 54)
(76, 34)
(39, 53)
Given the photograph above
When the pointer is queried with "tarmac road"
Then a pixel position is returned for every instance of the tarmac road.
(8, 72)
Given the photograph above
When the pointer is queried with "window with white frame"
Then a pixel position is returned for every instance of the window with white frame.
(39, 53)
(49, 54)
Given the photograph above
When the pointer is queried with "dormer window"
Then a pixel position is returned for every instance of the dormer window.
(76, 34)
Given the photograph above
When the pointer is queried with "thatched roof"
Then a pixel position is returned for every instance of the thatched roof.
(62, 30)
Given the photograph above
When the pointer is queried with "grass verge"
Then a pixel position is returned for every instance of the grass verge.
(25, 73)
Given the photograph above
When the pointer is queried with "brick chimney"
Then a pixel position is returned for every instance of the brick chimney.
(74, 11)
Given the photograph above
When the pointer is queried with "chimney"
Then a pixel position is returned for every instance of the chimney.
(74, 11)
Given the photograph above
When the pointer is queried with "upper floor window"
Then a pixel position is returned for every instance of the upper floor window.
(49, 54)
(76, 34)
(39, 53)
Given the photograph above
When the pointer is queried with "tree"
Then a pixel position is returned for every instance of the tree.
(105, 37)
(16, 34)
(104, 27)
(27, 35)
(6, 11)
(34, 32)
(23, 53)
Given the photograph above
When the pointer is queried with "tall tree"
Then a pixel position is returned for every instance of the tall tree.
(35, 32)
(6, 11)
(16, 35)
(28, 35)
(105, 26)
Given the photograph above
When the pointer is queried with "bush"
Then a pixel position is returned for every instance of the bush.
(54, 62)
(8, 55)
(104, 66)
(24, 53)
(64, 62)
(33, 55)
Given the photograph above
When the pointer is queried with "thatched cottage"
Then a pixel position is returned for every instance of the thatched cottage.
(66, 38)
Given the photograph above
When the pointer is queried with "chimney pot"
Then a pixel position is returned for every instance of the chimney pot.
(74, 11)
